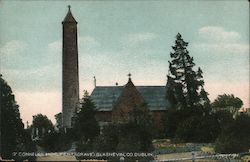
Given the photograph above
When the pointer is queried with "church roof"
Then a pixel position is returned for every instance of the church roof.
(105, 97)
(69, 17)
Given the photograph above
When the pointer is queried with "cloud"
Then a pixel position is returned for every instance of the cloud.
(55, 47)
(37, 79)
(13, 47)
(218, 41)
(87, 43)
(13, 54)
(222, 48)
(45, 74)
(218, 34)
(137, 38)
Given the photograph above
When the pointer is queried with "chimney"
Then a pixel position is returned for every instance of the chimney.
(94, 82)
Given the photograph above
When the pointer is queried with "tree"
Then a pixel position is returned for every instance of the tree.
(227, 101)
(134, 138)
(85, 124)
(198, 129)
(55, 140)
(43, 124)
(192, 125)
(108, 140)
(13, 135)
(58, 118)
(235, 137)
(125, 137)
(224, 117)
(185, 83)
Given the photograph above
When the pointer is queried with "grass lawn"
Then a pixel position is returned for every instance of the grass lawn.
(182, 155)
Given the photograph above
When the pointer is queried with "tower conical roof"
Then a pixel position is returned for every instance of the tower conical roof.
(69, 17)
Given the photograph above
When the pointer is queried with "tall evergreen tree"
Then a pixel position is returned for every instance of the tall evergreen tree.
(85, 125)
(13, 136)
(185, 86)
(58, 118)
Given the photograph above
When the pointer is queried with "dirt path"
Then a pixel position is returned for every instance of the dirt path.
(53, 157)
(56, 158)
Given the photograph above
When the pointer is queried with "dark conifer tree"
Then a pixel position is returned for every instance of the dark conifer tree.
(185, 83)
(12, 127)
(85, 125)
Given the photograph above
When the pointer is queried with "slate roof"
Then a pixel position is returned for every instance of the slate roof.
(105, 97)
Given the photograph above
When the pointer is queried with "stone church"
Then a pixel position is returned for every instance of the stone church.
(113, 103)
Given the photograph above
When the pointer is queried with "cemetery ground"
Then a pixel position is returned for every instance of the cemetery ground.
(199, 152)
(165, 150)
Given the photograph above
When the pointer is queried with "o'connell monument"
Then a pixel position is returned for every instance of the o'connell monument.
(70, 78)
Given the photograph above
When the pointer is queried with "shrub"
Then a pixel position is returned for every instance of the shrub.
(126, 137)
(108, 140)
(192, 124)
(198, 129)
(56, 141)
(235, 137)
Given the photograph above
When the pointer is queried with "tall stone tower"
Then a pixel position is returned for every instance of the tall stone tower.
(70, 78)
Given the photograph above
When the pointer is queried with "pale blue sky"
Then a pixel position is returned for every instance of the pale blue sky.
(118, 37)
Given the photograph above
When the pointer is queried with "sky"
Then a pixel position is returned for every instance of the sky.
(120, 37)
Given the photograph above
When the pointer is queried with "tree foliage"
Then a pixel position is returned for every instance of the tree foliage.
(43, 124)
(185, 87)
(235, 137)
(107, 141)
(58, 118)
(198, 129)
(224, 118)
(54, 141)
(227, 101)
(191, 125)
(13, 135)
(85, 125)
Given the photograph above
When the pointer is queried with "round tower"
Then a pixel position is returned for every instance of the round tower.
(70, 76)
